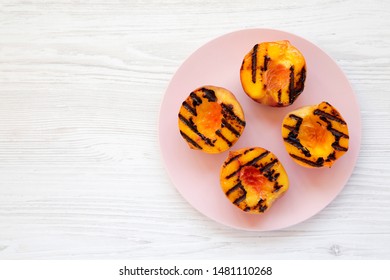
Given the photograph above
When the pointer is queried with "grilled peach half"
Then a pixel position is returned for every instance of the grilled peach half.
(273, 73)
(211, 119)
(253, 178)
(315, 136)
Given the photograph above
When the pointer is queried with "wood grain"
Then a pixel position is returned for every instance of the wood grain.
(81, 174)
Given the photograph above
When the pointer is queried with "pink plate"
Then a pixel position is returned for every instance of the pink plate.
(196, 174)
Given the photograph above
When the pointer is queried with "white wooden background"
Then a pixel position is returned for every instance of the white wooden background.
(81, 175)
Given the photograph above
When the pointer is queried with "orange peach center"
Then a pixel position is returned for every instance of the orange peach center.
(209, 117)
(251, 177)
(312, 133)
(276, 77)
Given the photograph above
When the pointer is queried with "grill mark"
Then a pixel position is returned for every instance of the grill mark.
(280, 97)
(289, 127)
(292, 136)
(331, 157)
(233, 173)
(190, 140)
(262, 208)
(232, 159)
(268, 166)
(304, 160)
(295, 91)
(251, 162)
(254, 63)
(248, 150)
(271, 175)
(196, 100)
(219, 133)
(301, 81)
(320, 161)
(321, 113)
(297, 124)
(189, 108)
(228, 111)
(291, 93)
(277, 187)
(295, 117)
(337, 133)
(193, 127)
(297, 144)
(265, 63)
(209, 94)
(234, 188)
(337, 147)
(260, 202)
(230, 127)
(240, 199)
(256, 159)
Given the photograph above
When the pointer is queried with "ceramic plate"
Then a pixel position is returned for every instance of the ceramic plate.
(196, 174)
